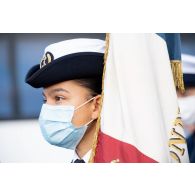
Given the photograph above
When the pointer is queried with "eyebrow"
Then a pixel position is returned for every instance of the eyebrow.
(56, 90)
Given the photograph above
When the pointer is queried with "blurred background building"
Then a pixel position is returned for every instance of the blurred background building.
(20, 104)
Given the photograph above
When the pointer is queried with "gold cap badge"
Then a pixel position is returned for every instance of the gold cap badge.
(47, 58)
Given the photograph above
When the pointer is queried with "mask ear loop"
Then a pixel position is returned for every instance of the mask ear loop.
(83, 105)
(85, 102)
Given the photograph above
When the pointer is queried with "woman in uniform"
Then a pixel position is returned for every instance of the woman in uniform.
(70, 74)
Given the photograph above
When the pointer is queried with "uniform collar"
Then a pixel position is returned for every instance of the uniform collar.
(86, 157)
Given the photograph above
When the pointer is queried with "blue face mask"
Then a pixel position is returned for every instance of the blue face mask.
(57, 128)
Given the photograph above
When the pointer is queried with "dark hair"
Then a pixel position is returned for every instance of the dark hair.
(94, 84)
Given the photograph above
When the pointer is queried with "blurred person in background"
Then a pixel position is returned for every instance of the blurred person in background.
(187, 103)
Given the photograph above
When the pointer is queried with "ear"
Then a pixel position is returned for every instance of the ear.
(96, 107)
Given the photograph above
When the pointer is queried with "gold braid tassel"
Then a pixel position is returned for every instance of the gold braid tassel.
(95, 141)
(176, 67)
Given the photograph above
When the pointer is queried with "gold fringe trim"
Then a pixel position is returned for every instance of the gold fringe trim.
(91, 160)
(176, 67)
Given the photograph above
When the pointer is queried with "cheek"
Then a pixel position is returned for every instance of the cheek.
(82, 116)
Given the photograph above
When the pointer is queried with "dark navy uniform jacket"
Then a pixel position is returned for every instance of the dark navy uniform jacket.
(191, 147)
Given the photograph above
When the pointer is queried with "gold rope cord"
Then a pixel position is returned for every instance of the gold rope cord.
(95, 141)
(176, 67)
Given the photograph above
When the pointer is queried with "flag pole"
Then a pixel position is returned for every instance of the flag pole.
(95, 141)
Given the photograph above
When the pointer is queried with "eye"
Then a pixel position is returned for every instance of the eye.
(44, 100)
(59, 98)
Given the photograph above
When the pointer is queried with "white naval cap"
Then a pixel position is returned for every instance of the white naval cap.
(188, 68)
(188, 62)
(72, 46)
(68, 60)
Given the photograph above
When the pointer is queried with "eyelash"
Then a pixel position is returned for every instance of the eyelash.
(57, 99)
(44, 100)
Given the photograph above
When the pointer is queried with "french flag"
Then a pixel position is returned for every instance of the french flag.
(140, 120)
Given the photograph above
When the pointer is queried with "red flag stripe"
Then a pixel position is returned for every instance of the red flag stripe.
(110, 149)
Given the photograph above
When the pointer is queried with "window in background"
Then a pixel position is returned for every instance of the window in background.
(6, 95)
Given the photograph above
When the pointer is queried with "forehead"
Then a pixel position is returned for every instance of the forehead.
(70, 87)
